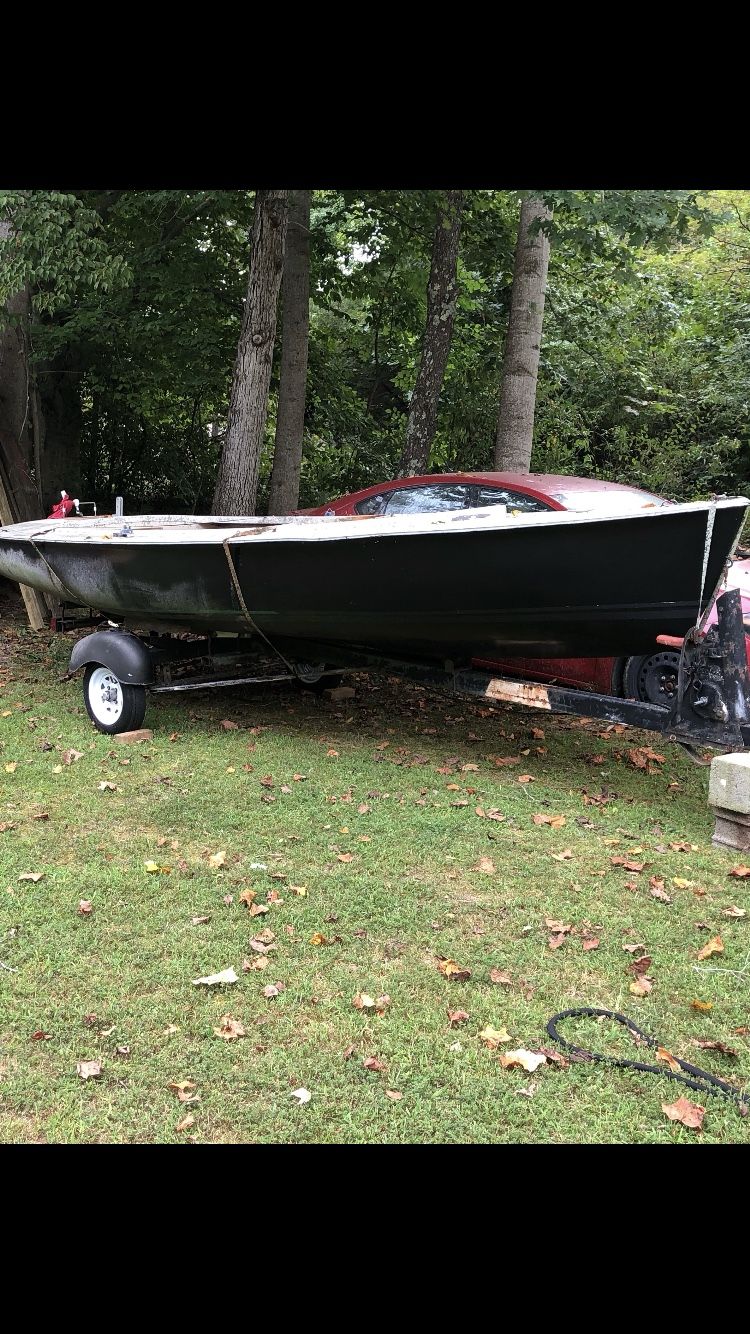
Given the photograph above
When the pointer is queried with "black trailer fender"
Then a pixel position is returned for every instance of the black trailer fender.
(125, 654)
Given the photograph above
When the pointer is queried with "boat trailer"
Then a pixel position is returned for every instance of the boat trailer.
(711, 706)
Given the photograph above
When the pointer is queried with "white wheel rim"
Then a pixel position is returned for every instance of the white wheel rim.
(105, 696)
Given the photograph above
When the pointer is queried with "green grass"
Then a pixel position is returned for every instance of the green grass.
(408, 896)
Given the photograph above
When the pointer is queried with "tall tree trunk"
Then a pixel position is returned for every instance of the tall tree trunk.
(295, 314)
(442, 291)
(16, 427)
(58, 387)
(515, 423)
(237, 483)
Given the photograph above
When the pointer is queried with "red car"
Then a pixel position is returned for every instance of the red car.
(651, 676)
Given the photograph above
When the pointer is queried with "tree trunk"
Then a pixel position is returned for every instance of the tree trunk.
(16, 440)
(515, 423)
(442, 291)
(295, 308)
(237, 483)
(58, 386)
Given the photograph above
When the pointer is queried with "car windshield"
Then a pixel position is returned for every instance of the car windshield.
(617, 502)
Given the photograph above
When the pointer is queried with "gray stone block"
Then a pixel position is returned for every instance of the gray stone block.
(729, 783)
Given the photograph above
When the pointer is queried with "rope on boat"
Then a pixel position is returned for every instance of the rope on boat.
(56, 578)
(244, 607)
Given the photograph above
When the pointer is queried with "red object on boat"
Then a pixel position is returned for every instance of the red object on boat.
(63, 508)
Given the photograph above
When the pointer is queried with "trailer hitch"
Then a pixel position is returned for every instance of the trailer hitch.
(713, 683)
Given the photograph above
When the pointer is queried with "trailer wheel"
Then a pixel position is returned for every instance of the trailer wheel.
(652, 677)
(112, 706)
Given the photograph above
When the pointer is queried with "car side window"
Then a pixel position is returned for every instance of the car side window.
(371, 505)
(427, 499)
(515, 500)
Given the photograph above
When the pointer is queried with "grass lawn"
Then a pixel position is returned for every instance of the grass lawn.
(356, 822)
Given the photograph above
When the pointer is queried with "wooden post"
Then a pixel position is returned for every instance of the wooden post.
(36, 607)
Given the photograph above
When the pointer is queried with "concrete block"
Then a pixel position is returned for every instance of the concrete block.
(731, 830)
(729, 783)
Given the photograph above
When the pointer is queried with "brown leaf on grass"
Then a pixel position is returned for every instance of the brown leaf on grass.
(485, 865)
(555, 1057)
(89, 1069)
(394, 1095)
(682, 846)
(734, 912)
(591, 943)
(709, 1045)
(318, 938)
(537, 733)
(258, 909)
(634, 867)
(740, 872)
(5, 825)
(34, 876)
(229, 726)
(247, 896)
(266, 781)
(502, 760)
(275, 989)
(657, 890)
(525, 778)
(714, 946)
(254, 965)
(199, 921)
(664, 1055)
(70, 756)
(345, 857)
(372, 1063)
(632, 949)
(641, 986)
(492, 814)
(688, 1113)
(640, 966)
(363, 808)
(492, 1037)
(85, 907)
(217, 858)
(457, 1017)
(39, 1035)
(641, 755)
(528, 1060)
(558, 927)
(500, 978)
(555, 821)
(703, 1006)
(185, 1123)
(182, 1086)
(229, 1028)
(364, 1002)
(469, 768)
(556, 941)
(452, 970)
(565, 856)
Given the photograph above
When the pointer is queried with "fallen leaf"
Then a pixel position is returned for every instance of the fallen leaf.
(664, 1055)
(555, 821)
(591, 943)
(688, 1113)
(639, 966)
(714, 946)
(492, 1037)
(553, 925)
(185, 1123)
(734, 912)
(247, 896)
(259, 909)
(680, 883)
(452, 970)
(641, 986)
(740, 872)
(394, 1095)
(565, 856)
(153, 868)
(657, 890)
(89, 1069)
(633, 867)
(556, 941)
(372, 1063)
(229, 726)
(216, 979)
(254, 965)
(11, 766)
(457, 1017)
(703, 1006)
(500, 978)
(302, 1096)
(229, 1028)
(182, 1087)
(273, 990)
(39, 1035)
(318, 939)
(631, 949)
(345, 857)
(85, 907)
(199, 921)
(217, 858)
(299, 890)
(35, 876)
(528, 1060)
(709, 1045)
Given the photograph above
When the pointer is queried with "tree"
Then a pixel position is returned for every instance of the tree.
(442, 292)
(295, 307)
(515, 423)
(237, 483)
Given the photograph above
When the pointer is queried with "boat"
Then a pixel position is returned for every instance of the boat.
(426, 588)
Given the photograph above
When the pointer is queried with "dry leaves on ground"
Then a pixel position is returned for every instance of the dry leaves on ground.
(713, 946)
(216, 979)
(688, 1113)
(364, 1002)
(452, 970)
(229, 1028)
(492, 1037)
(89, 1069)
(528, 1060)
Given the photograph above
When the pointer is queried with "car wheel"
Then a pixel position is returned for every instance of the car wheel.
(112, 706)
(652, 677)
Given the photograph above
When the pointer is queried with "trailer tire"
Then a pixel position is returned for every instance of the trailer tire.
(652, 677)
(112, 706)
